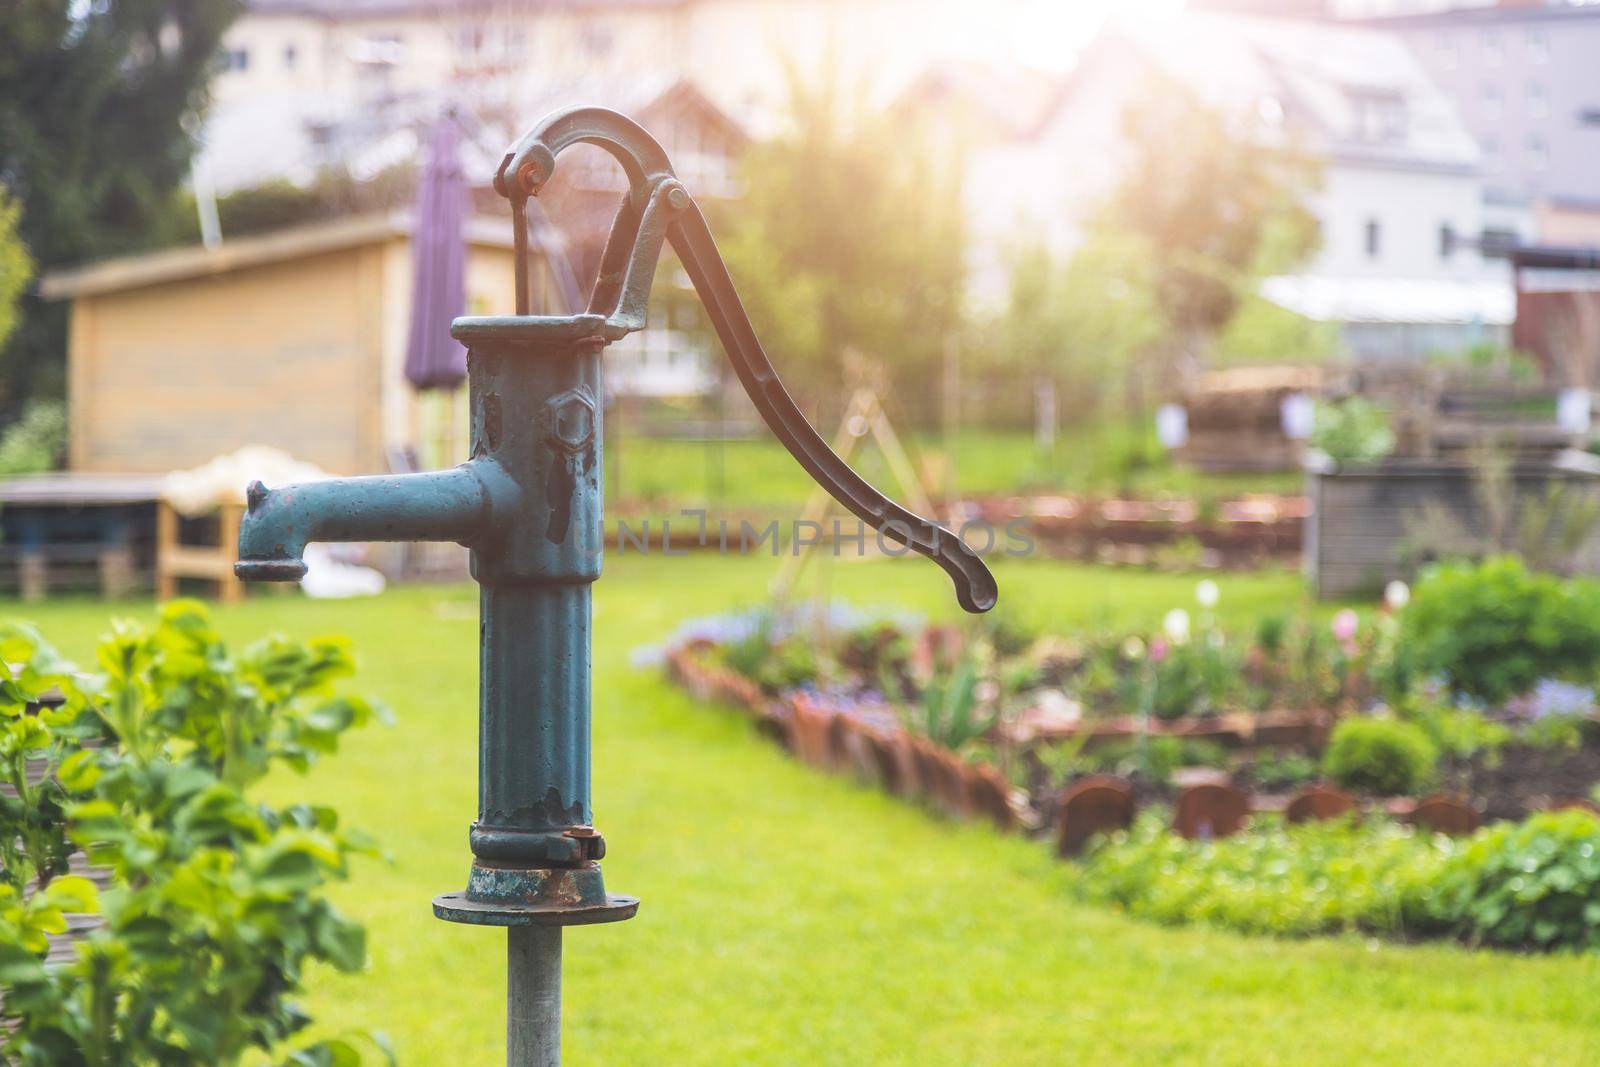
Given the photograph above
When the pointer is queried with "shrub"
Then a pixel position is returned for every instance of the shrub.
(1534, 884)
(34, 442)
(1384, 756)
(217, 904)
(1352, 430)
(1274, 879)
(1493, 630)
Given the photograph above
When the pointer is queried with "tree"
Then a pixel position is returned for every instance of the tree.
(16, 267)
(849, 235)
(1082, 325)
(1221, 199)
(96, 101)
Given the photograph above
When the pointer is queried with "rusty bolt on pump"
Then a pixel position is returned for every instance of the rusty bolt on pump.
(528, 505)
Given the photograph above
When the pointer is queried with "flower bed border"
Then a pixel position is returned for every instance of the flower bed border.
(888, 756)
(891, 757)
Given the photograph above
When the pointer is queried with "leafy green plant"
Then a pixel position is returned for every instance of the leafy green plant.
(949, 712)
(1534, 884)
(776, 665)
(1492, 630)
(750, 652)
(217, 905)
(1352, 430)
(1289, 881)
(1193, 678)
(1461, 734)
(1557, 732)
(1285, 770)
(1385, 756)
(1155, 758)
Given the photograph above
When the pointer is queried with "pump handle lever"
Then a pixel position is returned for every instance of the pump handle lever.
(655, 195)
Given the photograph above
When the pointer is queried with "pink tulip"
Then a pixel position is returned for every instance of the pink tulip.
(1345, 625)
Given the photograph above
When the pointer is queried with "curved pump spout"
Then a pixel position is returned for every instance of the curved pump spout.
(450, 505)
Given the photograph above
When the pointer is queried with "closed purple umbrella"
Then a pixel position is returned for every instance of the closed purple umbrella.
(435, 360)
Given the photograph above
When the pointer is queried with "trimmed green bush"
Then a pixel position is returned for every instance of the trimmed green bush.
(1384, 756)
(1492, 630)
(1534, 884)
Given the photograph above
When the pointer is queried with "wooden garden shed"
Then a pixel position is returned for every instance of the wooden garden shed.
(294, 339)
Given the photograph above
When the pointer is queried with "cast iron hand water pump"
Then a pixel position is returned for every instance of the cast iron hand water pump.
(528, 505)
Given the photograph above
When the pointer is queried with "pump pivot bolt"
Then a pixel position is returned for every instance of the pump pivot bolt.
(571, 420)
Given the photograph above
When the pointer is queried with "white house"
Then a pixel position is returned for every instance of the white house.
(1400, 176)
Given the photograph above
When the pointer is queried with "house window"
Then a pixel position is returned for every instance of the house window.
(1444, 46)
(1589, 116)
(1491, 100)
(1374, 238)
(291, 55)
(1538, 46)
(1538, 153)
(1538, 101)
(1447, 240)
(1493, 53)
(1378, 117)
(236, 59)
(1491, 153)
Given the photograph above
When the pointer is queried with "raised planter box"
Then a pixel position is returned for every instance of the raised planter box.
(1357, 535)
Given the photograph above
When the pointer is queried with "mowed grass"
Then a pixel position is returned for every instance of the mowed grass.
(793, 918)
(1094, 459)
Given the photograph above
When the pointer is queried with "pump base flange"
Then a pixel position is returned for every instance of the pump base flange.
(459, 908)
(499, 895)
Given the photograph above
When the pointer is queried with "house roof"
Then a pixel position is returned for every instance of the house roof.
(1307, 81)
(291, 134)
(300, 242)
(1493, 14)
(358, 9)
(1014, 100)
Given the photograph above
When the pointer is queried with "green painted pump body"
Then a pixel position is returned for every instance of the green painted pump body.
(528, 505)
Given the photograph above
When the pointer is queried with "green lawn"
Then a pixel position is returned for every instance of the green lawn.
(792, 918)
(758, 472)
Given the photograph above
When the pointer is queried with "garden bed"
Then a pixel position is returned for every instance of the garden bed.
(1071, 737)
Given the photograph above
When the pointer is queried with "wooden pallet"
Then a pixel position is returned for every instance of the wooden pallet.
(176, 559)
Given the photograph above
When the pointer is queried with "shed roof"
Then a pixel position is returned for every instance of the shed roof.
(300, 242)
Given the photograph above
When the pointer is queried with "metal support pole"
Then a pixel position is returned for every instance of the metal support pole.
(533, 996)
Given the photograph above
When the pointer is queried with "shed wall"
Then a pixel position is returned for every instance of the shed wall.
(167, 376)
